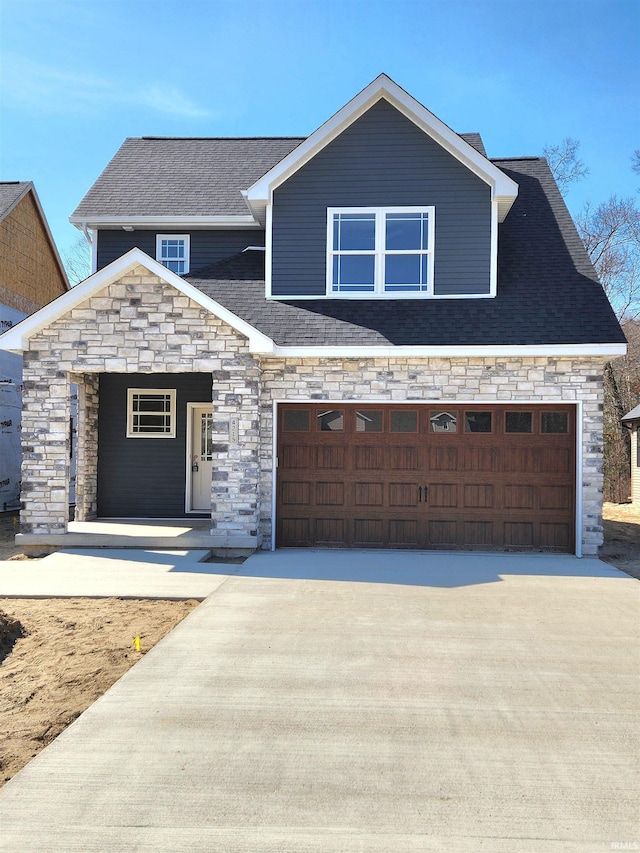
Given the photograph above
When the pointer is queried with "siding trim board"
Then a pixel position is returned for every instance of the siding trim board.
(115, 222)
(535, 350)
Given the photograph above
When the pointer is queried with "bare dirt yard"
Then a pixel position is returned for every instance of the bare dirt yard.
(622, 537)
(57, 656)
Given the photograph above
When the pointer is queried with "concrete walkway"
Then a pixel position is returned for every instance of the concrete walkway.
(106, 572)
(410, 703)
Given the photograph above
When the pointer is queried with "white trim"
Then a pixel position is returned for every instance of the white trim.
(169, 392)
(399, 295)
(268, 252)
(579, 477)
(439, 402)
(189, 445)
(490, 351)
(184, 238)
(493, 251)
(244, 220)
(17, 338)
(274, 473)
(504, 190)
(94, 251)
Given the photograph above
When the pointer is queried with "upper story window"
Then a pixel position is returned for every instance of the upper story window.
(172, 250)
(383, 251)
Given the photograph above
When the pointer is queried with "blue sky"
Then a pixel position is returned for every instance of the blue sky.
(78, 77)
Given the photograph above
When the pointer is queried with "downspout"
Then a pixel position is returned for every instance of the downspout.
(90, 237)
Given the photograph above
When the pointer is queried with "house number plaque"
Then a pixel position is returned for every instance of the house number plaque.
(234, 431)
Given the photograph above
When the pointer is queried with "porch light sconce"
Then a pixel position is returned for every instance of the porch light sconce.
(234, 431)
(128, 228)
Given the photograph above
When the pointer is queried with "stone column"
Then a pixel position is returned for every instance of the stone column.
(46, 410)
(236, 469)
(87, 459)
(592, 395)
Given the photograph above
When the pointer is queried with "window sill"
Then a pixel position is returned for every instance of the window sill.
(375, 297)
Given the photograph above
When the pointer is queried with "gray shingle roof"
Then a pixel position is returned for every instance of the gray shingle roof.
(633, 415)
(548, 292)
(153, 176)
(10, 192)
(181, 177)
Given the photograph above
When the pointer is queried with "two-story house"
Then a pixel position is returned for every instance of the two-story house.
(372, 337)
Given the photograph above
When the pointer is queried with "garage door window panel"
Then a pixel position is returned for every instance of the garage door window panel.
(554, 422)
(403, 420)
(443, 421)
(478, 422)
(331, 420)
(296, 420)
(518, 422)
(369, 421)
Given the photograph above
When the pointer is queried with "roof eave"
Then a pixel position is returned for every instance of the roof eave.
(599, 350)
(246, 220)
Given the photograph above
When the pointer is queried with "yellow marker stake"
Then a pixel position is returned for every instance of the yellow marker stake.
(136, 643)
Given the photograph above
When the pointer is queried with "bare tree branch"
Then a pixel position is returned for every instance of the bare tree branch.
(611, 235)
(77, 261)
(564, 163)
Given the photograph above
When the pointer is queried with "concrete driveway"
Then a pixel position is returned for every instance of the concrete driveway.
(361, 701)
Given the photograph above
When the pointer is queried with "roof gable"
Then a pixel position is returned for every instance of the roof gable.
(11, 194)
(504, 189)
(17, 338)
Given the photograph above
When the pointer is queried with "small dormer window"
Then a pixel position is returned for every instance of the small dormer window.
(380, 251)
(172, 250)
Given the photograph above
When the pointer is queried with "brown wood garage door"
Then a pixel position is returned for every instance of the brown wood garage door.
(428, 476)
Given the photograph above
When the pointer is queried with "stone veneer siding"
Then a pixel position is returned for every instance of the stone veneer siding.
(142, 325)
(87, 446)
(476, 380)
(138, 324)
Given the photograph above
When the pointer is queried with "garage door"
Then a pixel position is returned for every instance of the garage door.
(437, 476)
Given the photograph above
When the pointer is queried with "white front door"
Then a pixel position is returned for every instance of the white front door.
(201, 457)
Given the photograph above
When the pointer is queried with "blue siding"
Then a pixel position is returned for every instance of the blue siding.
(144, 477)
(382, 159)
(207, 247)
